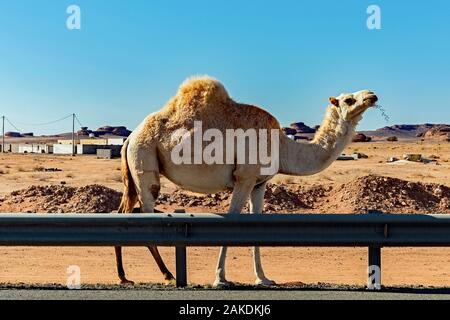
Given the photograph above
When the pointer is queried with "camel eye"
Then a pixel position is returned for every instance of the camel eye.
(350, 101)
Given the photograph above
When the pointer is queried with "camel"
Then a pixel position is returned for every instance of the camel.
(146, 155)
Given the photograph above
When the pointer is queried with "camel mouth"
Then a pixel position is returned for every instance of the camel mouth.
(371, 100)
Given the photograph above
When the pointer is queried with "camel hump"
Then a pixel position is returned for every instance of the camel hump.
(203, 89)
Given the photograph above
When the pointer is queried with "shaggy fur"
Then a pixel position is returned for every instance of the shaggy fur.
(147, 152)
(206, 99)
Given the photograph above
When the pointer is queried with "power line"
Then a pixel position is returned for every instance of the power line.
(44, 123)
(78, 120)
(12, 125)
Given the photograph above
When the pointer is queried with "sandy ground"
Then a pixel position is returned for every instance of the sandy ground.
(404, 266)
(407, 266)
(20, 171)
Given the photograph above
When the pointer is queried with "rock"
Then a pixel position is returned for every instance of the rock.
(84, 131)
(121, 131)
(193, 202)
(109, 130)
(413, 157)
(445, 203)
(289, 131)
(361, 137)
(300, 127)
(10, 134)
(359, 155)
(392, 139)
(277, 190)
(438, 192)
(440, 132)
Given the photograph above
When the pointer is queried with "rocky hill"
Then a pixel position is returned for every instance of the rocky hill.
(301, 131)
(120, 131)
(301, 127)
(441, 132)
(426, 130)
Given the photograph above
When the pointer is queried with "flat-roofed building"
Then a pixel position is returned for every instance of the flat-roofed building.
(98, 142)
(62, 148)
(66, 141)
(34, 148)
(116, 141)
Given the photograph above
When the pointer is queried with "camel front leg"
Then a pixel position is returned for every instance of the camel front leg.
(120, 270)
(240, 196)
(256, 207)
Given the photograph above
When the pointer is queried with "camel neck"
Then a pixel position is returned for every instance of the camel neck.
(310, 158)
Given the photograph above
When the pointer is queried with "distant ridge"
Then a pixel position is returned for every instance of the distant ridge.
(299, 130)
(408, 130)
(402, 131)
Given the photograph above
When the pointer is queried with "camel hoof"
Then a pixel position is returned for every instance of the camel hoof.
(170, 282)
(126, 282)
(265, 282)
(220, 284)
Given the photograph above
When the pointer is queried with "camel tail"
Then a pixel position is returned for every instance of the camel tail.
(129, 193)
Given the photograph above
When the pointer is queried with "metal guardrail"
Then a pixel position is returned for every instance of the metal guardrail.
(181, 230)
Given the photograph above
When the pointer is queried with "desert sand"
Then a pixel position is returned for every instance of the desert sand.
(405, 266)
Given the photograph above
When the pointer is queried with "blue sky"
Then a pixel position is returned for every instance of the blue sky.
(286, 56)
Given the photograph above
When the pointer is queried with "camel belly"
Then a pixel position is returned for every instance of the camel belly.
(200, 178)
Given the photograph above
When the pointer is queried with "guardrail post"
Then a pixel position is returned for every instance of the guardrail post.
(181, 263)
(374, 269)
(181, 268)
(374, 280)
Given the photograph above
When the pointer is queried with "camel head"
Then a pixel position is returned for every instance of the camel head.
(351, 106)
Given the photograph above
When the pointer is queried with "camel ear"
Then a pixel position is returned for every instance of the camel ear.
(334, 101)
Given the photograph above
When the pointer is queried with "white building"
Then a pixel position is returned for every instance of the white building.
(62, 149)
(34, 148)
(116, 141)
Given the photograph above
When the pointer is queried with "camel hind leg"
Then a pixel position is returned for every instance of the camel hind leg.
(129, 200)
(168, 277)
(120, 269)
(148, 186)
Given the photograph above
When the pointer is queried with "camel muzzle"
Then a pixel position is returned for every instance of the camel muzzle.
(372, 99)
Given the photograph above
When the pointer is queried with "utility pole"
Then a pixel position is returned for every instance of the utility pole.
(73, 135)
(3, 134)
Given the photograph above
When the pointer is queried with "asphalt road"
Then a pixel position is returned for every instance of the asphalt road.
(36, 293)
